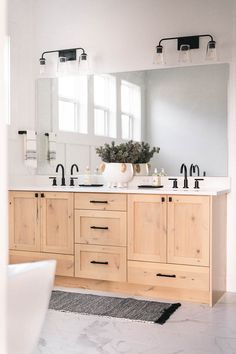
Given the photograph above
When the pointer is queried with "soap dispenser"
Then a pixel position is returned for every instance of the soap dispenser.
(156, 178)
(87, 176)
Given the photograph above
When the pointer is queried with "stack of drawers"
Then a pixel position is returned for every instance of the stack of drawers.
(100, 236)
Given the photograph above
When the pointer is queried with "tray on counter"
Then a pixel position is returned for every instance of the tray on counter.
(149, 186)
(91, 185)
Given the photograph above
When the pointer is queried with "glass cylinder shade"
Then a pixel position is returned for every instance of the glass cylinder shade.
(83, 66)
(158, 58)
(62, 66)
(184, 54)
(42, 67)
(211, 51)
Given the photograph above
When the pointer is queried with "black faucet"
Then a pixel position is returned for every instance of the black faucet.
(72, 167)
(71, 172)
(183, 167)
(193, 169)
(63, 181)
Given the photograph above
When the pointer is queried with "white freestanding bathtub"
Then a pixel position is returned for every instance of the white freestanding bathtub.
(29, 291)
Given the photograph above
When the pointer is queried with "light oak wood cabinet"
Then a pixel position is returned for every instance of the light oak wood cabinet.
(57, 223)
(188, 230)
(170, 246)
(184, 236)
(65, 263)
(100, 227)
(42, 223)
(100, 262)
(100, 236)
(100, 201)
(147, 227)
(24, 221)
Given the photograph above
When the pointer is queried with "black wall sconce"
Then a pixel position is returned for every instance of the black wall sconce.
(64, 56)
(184, 45)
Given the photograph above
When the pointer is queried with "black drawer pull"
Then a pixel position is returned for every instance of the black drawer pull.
(166, 275)
(99, 227)
(95, 262)
(99, 201)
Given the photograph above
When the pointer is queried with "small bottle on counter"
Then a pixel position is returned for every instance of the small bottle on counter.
(87, 176)
(156, 181)
(95, 176)
(162, 173)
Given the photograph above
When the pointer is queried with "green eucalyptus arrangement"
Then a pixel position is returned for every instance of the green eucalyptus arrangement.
(130, 152)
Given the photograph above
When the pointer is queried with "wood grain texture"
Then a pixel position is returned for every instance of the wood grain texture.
(189, 230)
(218, 247)
(146, 228)
(65, 263)
(148, 291)
(87, 222)
(24, 227)
(57, 229)
(180, 276)
(115, 270)
(88, 201)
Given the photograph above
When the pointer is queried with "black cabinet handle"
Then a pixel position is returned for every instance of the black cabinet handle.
(99, 201)
(95, 262)
(99, 227)
(42, 195)
(170, 199)
(166, 275)
(36, 195)
(162, 199)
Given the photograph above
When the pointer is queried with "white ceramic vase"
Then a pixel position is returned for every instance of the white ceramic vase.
(117, 174)
(142, 169)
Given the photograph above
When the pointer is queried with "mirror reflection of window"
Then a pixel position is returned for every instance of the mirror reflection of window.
(130, 111)
(73, 104)
(104, 105)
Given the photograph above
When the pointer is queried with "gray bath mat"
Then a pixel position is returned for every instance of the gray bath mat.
(128, 308)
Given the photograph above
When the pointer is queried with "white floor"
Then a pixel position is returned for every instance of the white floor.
(192, 329)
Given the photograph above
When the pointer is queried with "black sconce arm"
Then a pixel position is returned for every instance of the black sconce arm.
(62, 51)
(192, 41)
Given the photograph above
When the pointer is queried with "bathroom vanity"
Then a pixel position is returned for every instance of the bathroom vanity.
(162, 244)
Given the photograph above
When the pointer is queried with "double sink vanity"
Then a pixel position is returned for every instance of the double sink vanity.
(163, 243)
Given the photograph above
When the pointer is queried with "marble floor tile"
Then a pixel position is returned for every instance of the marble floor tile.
(192, 329)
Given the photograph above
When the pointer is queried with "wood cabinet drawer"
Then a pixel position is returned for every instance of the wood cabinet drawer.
(100, 201)
(100, 262)
(107, 228)
(168, 275)
(65, 263)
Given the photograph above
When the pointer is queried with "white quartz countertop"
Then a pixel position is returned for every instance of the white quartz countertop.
(129, 190)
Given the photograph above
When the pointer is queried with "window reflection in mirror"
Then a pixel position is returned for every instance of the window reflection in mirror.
(73, 102)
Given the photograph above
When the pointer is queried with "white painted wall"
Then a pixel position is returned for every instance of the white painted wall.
(118, 36)
(231, 232)
(3, 186)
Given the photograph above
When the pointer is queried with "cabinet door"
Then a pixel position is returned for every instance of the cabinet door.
(147, 227)
(24, 224)
(57, 222)
(188, 230)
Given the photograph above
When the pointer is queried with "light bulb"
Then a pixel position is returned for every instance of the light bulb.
(211, 51)
(184, 53)
(158, 56)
